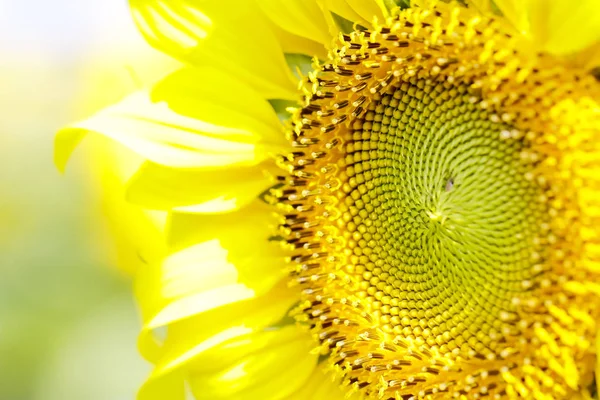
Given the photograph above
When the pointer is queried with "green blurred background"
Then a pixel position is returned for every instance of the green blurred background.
(68, 322)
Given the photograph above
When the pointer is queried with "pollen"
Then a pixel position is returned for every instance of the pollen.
(441, 207)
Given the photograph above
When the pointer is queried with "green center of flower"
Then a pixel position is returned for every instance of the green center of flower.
(434, 208)
(442, 215)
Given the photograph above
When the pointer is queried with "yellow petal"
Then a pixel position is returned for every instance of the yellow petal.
(170, 386)
(294, 44)
(272, 364)
(484, 6)
(205, 138)
(247, 230)
(188, 338)
(320, 386)
(232, 38)
(300, 17)
(138, 233)
(164, 188)
(228, 259)
(158, 134)
(343, 9)
(200, 278)
(65, 142)
(220, 99)
(189, 282)
(515, 11)
(369, 9)
(569, 26)
(589, 58)
(561, 27)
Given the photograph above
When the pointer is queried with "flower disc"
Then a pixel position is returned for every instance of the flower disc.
(438, 208)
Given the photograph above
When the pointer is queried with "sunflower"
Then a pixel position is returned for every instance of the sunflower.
(368, 198)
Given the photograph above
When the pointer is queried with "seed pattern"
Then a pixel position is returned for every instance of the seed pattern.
(440, 206)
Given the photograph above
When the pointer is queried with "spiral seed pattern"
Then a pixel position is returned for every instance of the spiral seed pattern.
(441, 214)
(440, 208)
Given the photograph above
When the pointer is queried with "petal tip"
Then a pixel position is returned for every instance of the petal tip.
(65, 142)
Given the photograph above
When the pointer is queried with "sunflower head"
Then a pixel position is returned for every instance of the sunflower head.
(428, 211)
(437, 205)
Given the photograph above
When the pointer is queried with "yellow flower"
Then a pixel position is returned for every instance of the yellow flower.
(110, 71)
(423, 224)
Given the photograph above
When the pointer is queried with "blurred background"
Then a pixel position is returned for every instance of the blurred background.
(68, 323)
